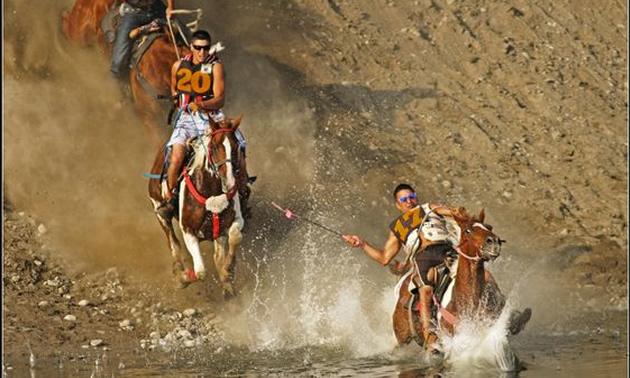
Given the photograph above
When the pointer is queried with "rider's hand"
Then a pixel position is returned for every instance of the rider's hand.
(194, 107)
(169, 13)
(353, 240)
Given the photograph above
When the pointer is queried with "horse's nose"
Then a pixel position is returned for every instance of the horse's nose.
(490, 240)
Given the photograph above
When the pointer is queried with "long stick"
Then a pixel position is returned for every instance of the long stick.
(170, 28)
(290, 214)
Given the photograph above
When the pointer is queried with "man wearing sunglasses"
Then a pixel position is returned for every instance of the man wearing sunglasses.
(422, 227)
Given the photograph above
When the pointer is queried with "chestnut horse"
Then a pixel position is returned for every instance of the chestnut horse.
(82, 27)
(208, 204)
(468, 294)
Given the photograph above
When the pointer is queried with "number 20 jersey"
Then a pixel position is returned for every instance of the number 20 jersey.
(194, 81)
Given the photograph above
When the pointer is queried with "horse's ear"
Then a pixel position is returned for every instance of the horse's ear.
(236, 122)
(482, 215)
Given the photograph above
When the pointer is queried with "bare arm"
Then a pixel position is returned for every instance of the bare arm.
(169, 8)
(174, 69)
(383, 256)
(445, 210)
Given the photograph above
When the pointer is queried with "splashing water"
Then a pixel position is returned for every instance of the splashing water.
(310, 292)
(480, 346)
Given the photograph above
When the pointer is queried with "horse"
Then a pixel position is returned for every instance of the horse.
(469, 292)
(150, 78)
(209, 206)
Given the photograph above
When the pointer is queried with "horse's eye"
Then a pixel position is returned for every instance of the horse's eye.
(469, 231)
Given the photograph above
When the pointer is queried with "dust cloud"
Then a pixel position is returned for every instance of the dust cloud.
(75, 150)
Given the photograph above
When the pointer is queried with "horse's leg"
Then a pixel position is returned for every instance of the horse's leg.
(224, 258)
(495, 300)
(192, 243)
(400, 319)
(173, 243)
(155, 195)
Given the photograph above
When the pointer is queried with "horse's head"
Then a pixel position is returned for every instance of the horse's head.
(223, 151)
(477, 241)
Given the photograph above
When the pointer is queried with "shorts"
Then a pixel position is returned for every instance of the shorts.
(191, 125)
(431, 256)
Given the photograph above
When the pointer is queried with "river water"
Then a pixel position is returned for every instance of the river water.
(308, 316)
(598, 353)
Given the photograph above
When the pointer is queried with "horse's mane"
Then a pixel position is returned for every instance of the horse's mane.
(200, 149)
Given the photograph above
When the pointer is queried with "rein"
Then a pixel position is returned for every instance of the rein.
(459, 251)
(216, 166)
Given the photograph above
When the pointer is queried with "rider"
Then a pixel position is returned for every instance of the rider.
(198, 85)
(134, 13)
(430, 235)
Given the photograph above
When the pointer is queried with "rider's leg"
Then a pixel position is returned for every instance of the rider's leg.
(121, 51)
(177, 159)
(426, 293)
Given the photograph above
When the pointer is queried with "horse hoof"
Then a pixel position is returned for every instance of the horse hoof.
(190, 275)
(201, 274)
(179, 284)
(518, 320)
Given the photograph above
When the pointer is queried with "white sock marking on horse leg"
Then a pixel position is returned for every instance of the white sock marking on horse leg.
(192, 243)
(238, 217)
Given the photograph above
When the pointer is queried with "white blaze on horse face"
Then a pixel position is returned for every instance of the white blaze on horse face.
(228, 164)
(480, 225)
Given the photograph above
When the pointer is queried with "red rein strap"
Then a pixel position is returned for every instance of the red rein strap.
(192, 189)
(446, 315)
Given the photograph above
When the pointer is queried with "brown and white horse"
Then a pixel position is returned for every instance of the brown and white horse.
(82, 27)
(208, 204)
(469, 294)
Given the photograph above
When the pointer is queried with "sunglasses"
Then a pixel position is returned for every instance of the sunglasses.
(198, 48)
(411, 196)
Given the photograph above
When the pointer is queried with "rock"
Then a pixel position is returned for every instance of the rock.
(43, 304)
(84, 302)
(41, 229)
(154, 335)
(189, 343)
(126, 325)
(70, 318)
(96, 342)
(189, 312)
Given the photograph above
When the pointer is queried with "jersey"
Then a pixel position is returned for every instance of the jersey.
(405, 228)
(194, 81)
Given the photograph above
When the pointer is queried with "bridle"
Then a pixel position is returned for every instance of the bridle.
(465, 240)
(214, 166)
